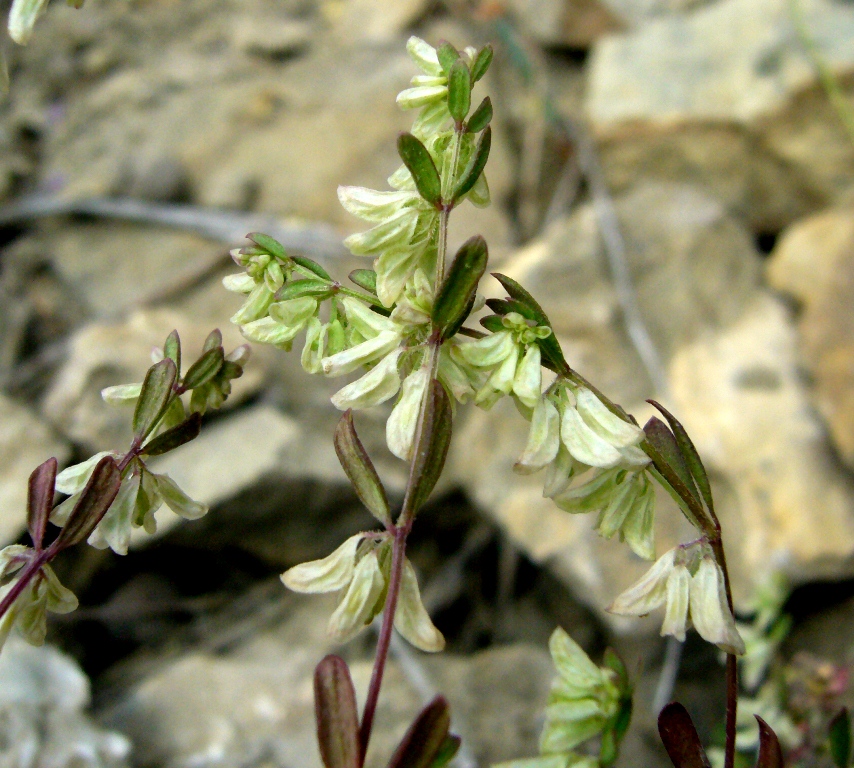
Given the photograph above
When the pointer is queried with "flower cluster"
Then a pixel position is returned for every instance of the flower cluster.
(688, 581)
(359, 570)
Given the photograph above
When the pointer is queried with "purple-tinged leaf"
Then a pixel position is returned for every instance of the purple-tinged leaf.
(154, 396)
(690, 454)
(475, 165)
(93, 503)
(839, 736)
(336, 714)
(172, 350)
(459, 91)
(770, 751)
(420, 164)
(680, 738)
(360, 469)
(173, 438)
(213, 340)
(425, 738)
(204, 369)
(428, 463)
(40, 490)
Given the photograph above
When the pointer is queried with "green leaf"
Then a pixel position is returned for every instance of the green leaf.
(360, 469)
(429, 461)
(172, 350)
(505, 306)
(447, 55)
(213, 340)
(94, 501)
(475, 165)
(366, 279)
(204, 369)
(417, 159)
(336, 714)
(459, 91)
(690, 454)
(481, 117)
(669, 461)
(311, 266)
(458, 289)
(680, 738)
(268, 245)
(492, 323)
(173, 438)
(839, 736)
(481, 63)
(770, 751)
(517, 292)
(447, 752)
(154, 396)
(40, 490)
(425, 738)
(296, 289)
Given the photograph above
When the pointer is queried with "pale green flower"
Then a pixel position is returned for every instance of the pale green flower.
(359, 570)
(543, 438)
(700, 598)
(401, 424)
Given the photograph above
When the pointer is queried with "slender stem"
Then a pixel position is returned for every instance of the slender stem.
(731, 660)
(26, 576)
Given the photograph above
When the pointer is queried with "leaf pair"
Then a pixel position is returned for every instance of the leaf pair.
(677, 460)
(427, 743)
(682, 742)
(427, 464)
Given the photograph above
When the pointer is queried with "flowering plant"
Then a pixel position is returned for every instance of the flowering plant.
(403, 328)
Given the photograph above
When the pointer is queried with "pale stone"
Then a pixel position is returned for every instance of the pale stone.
(25, 442)
(813, 263)
(373, 21)
(727, 96)
(560, 23)
(783, 500)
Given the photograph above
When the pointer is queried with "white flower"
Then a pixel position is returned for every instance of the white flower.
(543, 438)
(700, 598)
(355, 569)
(402, 423)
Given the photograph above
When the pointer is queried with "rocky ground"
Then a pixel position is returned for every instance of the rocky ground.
(703, 145)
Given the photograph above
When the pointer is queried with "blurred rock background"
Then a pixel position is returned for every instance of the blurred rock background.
(702, 148)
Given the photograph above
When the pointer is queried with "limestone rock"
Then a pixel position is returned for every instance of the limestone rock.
(43, 695)
(574, 23)
(637, 12)
(25, 442)
(784, 502)
(119, 352)
(813, 263)
(726, 96)
(372, 21)
(255, 701)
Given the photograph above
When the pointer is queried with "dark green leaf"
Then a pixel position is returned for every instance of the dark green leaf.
(669, 461)
(230, 370)
(680, 738)
(40, 490)
(92, 505)
(417, 159)
(458, 289)
(295, 289)
(770, 752)
(311, 266)
(447, 55)
(492, 323)
(447, 752)
(425, 738)
(435, 441)
(205, 368)
(154, 396)
(360, 469)
(268, 245)
(365, 278)
(505, 306)
(459, 91)
(175, 437)
(336, 714)
(517, 292)
(690, 454)
(213, 340)
(612, 661)
(839, 735)
(481, 63)
(481, 117)
(476, 165)
(172, 350)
